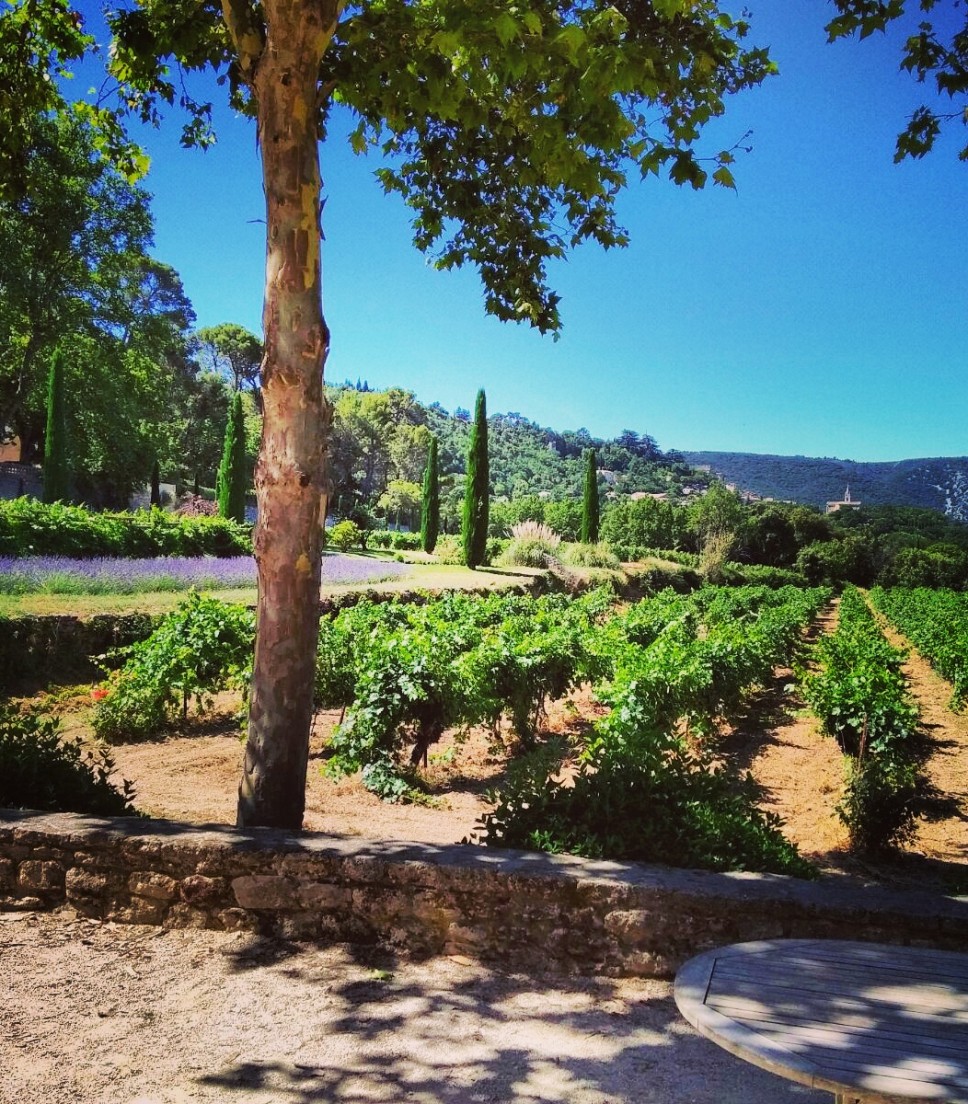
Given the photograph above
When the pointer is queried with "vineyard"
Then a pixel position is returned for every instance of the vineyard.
(936, 623)
(576, 724)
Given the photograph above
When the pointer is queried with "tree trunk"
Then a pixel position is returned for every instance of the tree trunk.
(290, 473)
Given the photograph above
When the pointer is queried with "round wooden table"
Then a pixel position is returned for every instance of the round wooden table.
(865, 1021)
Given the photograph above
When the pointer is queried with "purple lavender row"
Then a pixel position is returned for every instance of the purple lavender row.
(21, 575)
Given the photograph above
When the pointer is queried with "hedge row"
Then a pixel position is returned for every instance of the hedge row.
(32, 528)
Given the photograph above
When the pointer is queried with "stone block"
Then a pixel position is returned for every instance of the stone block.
(236, 919)
(630, 926)
(7, 875)
(157, 887)
(265, 891)
(45, 876)
(181, 915)
(323, 895)
(201, 891)
(139, 910)
(646, 964)
(87, 891)
(20, 904)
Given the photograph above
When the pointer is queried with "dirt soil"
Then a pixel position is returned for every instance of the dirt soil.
(106, 1014)
(193, 776)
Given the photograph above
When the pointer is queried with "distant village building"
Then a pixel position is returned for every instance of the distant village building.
(846, 503)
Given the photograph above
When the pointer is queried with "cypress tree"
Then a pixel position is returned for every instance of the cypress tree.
(230, 483)
(155, 485)
(589, 514)
(430, 501)
(477, 488)
(56, 472)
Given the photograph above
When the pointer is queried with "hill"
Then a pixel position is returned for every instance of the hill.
(380, 438)
(939, 483)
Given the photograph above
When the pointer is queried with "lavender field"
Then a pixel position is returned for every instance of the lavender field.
(110, 575)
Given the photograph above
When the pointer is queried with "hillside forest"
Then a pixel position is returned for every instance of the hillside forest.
(145, 389)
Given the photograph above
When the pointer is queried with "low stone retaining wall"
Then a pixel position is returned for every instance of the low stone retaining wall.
(34, 650)
(522, 910)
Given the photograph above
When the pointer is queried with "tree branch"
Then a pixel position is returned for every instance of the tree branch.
(246, 33)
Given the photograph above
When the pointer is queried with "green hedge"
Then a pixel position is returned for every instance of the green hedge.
(31, 528)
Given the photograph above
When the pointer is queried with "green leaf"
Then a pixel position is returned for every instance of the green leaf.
(724, 177)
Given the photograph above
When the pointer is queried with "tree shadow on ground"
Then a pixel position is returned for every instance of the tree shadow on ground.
(441, 1033)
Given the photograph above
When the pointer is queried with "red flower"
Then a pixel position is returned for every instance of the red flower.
(99, 693)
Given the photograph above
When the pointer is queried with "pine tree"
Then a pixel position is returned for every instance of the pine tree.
(477, 488)
(56, 471)
(430, 501)
(155, 485)
(230, 483)
(589, 514)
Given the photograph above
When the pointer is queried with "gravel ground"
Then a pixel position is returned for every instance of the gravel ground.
(111, 1014)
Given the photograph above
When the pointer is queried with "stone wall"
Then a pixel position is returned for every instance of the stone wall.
(521, 910)
(33, 650)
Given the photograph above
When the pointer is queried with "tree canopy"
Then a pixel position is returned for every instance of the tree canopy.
(935, 51)
(508, 131)
(233, 351)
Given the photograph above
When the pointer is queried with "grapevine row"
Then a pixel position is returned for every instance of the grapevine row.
(859, 692)
(936, 623)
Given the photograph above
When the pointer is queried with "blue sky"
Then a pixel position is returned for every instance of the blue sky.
(822, 309)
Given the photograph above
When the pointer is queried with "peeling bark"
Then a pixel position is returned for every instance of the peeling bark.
(291, 471)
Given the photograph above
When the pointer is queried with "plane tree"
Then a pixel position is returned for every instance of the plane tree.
(935, 53)
(509, 129)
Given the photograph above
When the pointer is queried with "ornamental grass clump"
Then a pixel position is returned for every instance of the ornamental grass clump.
(531, 545)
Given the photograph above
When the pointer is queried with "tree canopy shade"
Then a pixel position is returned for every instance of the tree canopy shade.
(936, 49)
(508, 131)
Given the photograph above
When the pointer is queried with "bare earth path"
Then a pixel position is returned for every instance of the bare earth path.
(105, 1014)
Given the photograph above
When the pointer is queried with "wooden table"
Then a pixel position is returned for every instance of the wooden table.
(864, 1021)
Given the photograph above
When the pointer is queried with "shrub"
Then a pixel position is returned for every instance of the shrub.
(345, 535)
(882, 798)
(639, 797)
(405, 542)
(448, 550)
(589, 555)
(41, 770)
(734, 574)
(494, 549)
(203, 646)
(31, 528)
